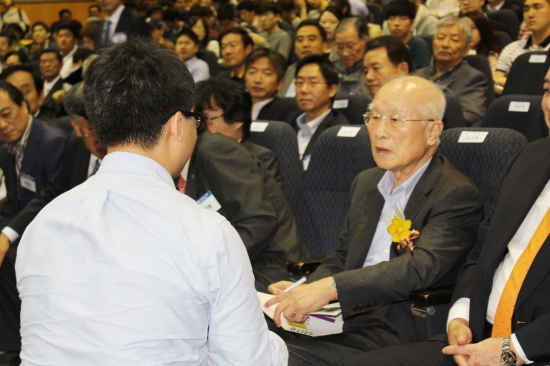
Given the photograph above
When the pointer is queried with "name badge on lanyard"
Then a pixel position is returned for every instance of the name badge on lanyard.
(27, 182)
(209, 202)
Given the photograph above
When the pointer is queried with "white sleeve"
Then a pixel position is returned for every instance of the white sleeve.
(460, 309)
(518, 348)
(11, 234)
(238, 333)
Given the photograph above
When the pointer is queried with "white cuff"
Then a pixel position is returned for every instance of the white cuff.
(11, 234)
(518, 348)
(460, 309)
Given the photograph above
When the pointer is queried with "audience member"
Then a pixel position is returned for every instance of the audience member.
(493, 320)
(386, 58)
(66, 18)
(400, 16)
(483, 39)
(351, 36)
(330, 19)
(201, 29)
(50, 66)
(226, 17)
(40, 40)
(316, 86)
(310, 40)
(495, 5)
(264, 76)
(249, 196)
(94, 12)
(368, 274)
(154, 11)
(424, 21)
(269, 16)
(156, 29)
(146, 147)
(187, 45)
(18, 57)
(247, 14)
(288, 13)
(67, 40)
(316, 6)
(172, 21)
(119, 24)
(88, 36)
(235, 45)
(462, 81)
(536, 15)
(11, 14)
(443, 8)
(8, 43)
(17, 32)
(29, 157)
(77, 75)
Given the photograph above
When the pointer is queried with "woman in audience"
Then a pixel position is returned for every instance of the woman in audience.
(12, 14)
(202, 30)
(483, 40)
(187, 45)
(329, 20)
(157, 34)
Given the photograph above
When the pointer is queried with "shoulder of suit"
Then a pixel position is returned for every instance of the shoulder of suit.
(339, 118)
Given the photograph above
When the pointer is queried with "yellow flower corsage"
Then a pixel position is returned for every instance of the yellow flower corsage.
(400, 230)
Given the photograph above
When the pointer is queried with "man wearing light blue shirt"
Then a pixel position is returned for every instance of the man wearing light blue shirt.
(125, 270)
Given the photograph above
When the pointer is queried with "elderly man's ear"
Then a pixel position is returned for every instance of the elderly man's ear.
(435, 128)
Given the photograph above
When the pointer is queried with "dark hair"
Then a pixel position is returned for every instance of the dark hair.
(357, 24)
(287, 5)
(95, 6)
(82, 54)
(189, 33)
(23, 57)
(42, 24)
(245, 37)
(170, 14)
(268, 7)
(15, 29)
(247, 5)
(226, 12)
(130, 105)
(277, 60)
(230, 96)
(206, 39)
(71, 28)
(38, 83)
(395, 48)
(401, 7)
(154, 24)
(50, 50)
(488, 41)
(334, 10)
(9, 36)
(63, 11)
(152, 8)
(313, 23)
(15, 95)
(88, 31)
(341, 4)
(74, 101)
(328, 70)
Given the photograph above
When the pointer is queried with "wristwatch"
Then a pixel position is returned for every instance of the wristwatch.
(507, 357)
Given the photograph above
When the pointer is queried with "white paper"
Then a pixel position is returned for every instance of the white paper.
(258, 126)
(537, 59)
(28, 182)
(519, 106)
(340, 104)
(472, 137)
(348, 131)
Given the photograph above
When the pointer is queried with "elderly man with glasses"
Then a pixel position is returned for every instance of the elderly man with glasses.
(383, 256)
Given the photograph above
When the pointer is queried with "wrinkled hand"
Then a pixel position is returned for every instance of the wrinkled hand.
(4, 246)
(296, 304)
(278, 287)
(58, 96)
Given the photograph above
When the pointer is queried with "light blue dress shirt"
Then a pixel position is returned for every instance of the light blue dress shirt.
(125, 270)
(381, 242)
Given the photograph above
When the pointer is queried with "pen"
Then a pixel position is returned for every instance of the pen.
(296, 284)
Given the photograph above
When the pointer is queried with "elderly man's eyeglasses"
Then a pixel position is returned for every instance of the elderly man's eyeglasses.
(396, 121)
(199, 117)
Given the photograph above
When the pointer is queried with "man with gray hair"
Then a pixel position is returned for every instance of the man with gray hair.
(450, 45)
(375, 268)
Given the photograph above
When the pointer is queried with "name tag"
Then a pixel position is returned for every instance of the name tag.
(340, 104)
(27, 182)
(348, 131)
(472, 137)
(258, 126)
(209, 202)
(537, 59)
(519, 106)
(119, 37)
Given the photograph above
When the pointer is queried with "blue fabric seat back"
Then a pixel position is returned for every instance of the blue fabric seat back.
(527, 74)
(352, 106)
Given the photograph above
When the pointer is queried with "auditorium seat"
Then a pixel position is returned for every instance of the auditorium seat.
(280, 137)
(506, 18)
(527, 73)
(522, 113)
(352, 106)
(210, 58)
(481, 63)
(454, 116)
(503, 38)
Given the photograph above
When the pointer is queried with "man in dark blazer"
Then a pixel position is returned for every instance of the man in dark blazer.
(29, 158)
(459, 79)
(522, 202)
(264, 76)
(369, 275)
(51, 63)
(316, 86)
(120, 24)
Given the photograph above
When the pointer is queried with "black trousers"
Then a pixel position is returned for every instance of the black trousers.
(10, 307)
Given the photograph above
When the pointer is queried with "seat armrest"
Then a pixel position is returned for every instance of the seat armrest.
(432, 296)
(303, 268)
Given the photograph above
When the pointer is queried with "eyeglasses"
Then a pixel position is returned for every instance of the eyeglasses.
(196, 115)
(395, 121)
(210, 119)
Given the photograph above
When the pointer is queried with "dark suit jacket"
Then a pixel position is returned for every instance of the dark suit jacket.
(73, 170)
(334, 118)
(48, 107)
(278, 109)
(445, 206)
(251, 200)
(266, 156)
(227, 75)
(41, 159)
(130, 23)
(467, 84)
(521, 187)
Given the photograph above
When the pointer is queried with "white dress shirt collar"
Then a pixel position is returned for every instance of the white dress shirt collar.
(115, 18)
(49, 86)
(257, 107)
(309, 128)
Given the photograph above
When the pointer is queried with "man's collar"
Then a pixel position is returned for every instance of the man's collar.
(114, 18)
(543, 44)
(446, 73)
(52, 83)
